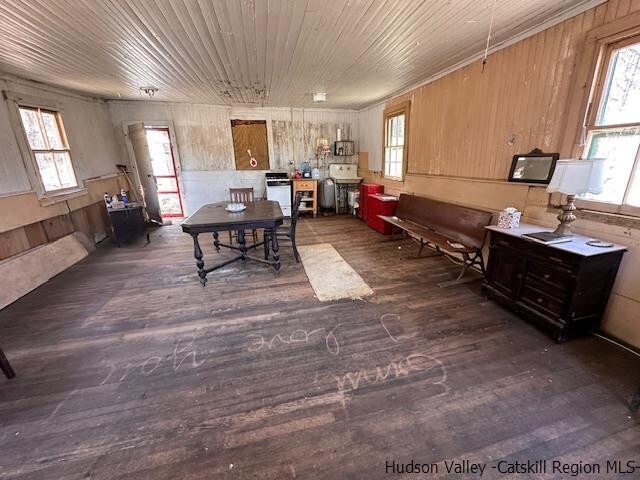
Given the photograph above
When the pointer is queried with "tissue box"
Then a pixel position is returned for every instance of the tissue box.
(509, 218)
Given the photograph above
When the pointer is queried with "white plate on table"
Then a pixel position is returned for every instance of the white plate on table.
(235, 207)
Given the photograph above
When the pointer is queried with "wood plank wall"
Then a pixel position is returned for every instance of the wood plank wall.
(26, 223)
(470, 124)
(90, 220)
(461, 123)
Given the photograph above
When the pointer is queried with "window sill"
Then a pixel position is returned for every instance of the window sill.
(52, 198)
(620, 219)
(609, 218)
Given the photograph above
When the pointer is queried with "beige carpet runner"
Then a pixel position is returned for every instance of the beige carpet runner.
(331, 277)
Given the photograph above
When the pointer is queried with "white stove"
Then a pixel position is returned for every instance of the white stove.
(279, 189)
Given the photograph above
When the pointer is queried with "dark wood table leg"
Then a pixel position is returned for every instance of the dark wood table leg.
(5, 366)
(266, 244)
(242, 241)
(635, 401)
(274, 248)
(216, 241)
(197, 252)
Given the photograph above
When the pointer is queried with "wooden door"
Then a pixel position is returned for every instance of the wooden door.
(138, 139)
(165, 172)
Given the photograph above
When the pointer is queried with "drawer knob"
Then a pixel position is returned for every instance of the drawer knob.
(540, 300)
(546, 276)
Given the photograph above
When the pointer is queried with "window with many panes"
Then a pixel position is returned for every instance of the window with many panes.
(613, 127)
(48, 142)
(395, 142)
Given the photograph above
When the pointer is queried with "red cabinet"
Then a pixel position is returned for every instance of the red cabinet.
(381, 204)
(367, 189)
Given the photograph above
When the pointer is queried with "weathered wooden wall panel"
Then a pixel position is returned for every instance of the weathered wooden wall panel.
(466, 126)
(207, 160)
(35, 234)
(92, 220)
(57, 227)
(22, 273)
(370, 129)
(203, 132)
(25, 209)
(470, 123)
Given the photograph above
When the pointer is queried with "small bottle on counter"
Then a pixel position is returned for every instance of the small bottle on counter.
(107, 199)
(123, 196)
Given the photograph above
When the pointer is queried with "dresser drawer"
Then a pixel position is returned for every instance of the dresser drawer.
(305, 185)
(538, 252)
(540, 300)
(556, 276)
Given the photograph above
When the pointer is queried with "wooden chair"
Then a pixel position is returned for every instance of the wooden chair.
(5, 366)
(242, 195)
(288, 231)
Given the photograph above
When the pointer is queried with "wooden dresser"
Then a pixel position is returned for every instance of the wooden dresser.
(562, 288)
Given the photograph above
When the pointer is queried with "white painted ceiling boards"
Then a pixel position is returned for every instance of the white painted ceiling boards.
(255, 52)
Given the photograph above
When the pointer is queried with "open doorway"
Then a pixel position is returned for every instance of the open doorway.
(164, 170)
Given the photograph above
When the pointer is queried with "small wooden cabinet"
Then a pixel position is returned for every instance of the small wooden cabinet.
(309, 187)
(562, 288)
(128, 223)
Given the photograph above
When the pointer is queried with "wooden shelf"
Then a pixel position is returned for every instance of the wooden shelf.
(310, 197)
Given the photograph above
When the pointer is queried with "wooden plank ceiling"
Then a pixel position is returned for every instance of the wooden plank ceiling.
(254, 52)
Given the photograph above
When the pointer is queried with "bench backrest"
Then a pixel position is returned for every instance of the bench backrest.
(462, 224)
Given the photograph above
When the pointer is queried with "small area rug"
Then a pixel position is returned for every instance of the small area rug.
(331, 277)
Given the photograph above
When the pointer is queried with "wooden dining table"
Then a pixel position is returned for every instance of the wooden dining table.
(215, 218)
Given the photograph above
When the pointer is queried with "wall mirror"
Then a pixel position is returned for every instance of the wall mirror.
(533, 167)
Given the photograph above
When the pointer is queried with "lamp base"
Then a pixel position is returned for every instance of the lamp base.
(566, 218)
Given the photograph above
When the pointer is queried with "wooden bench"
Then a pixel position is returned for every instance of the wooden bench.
(447, 228)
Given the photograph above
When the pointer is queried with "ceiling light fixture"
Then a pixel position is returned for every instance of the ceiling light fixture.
(319, 97)
(149, 90)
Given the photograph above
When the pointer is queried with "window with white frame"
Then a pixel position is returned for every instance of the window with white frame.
(395, 140)
(613, 128)
(47, 140)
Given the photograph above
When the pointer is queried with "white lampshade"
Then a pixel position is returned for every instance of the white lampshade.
(573, 177)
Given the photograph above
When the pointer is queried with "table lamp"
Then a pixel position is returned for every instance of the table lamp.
(571, 177)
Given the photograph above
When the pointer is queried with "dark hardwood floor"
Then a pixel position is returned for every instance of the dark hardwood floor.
(128, 368)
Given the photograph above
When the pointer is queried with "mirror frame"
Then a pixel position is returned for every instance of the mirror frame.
(535, 153)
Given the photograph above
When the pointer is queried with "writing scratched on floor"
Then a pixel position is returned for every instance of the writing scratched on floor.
(183, 350)
(375, 374)
(389, 319)
(296, 336)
